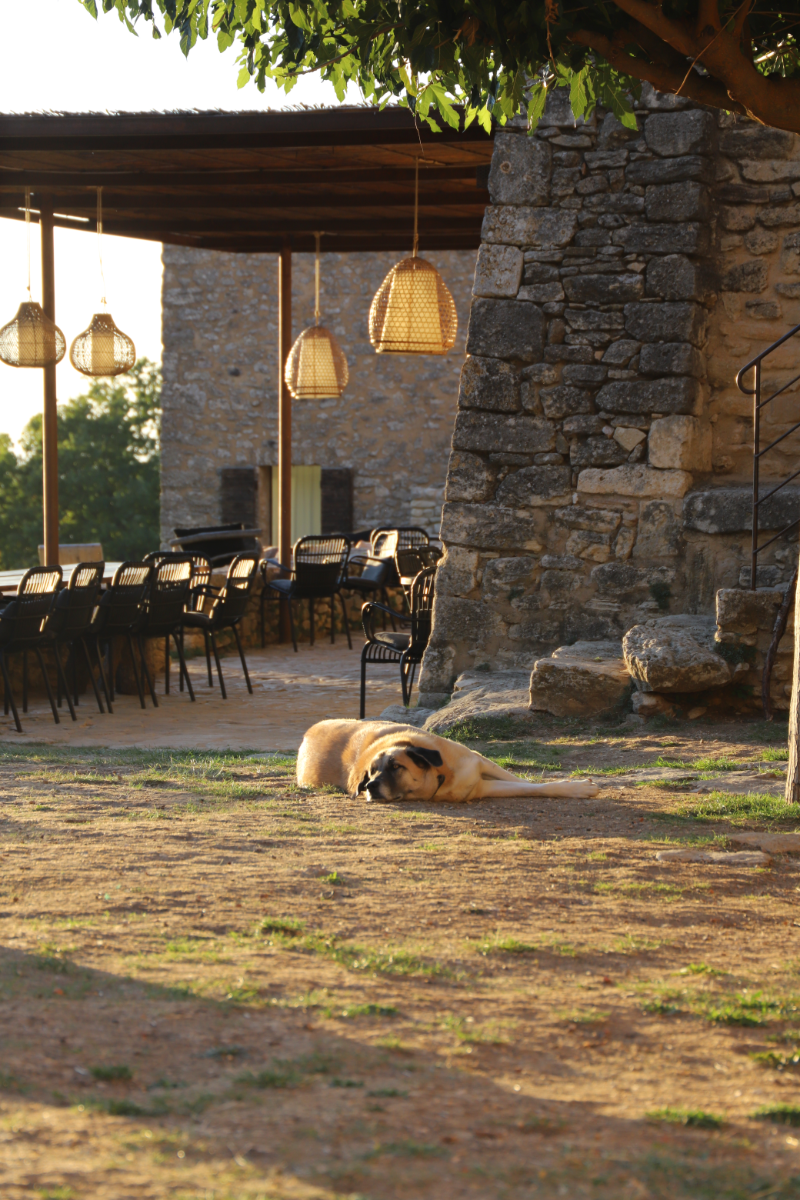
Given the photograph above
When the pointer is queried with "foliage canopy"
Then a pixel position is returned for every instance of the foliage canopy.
(108, 472)
(436, 55)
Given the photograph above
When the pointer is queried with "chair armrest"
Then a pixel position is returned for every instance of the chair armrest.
(273, 562)
(370, 610)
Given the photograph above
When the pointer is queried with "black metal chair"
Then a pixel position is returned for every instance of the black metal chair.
(410, 560)
(318, 574)
(70, 623)
(393, 646)
(226, 612)
(167, 598)
(120, 613)
(220, 544)
(201, 577)
(23, 627)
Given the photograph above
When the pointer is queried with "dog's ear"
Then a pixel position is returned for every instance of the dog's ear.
(423, 757)
(362, 787)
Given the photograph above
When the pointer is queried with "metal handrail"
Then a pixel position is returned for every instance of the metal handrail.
(758, 452)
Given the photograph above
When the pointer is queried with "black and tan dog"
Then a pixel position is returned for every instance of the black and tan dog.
(385, 761)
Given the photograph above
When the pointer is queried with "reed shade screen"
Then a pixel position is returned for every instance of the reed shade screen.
(316, 368)
(102, 349)
(31, 339)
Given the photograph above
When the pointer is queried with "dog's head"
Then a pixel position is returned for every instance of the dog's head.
(402, 772)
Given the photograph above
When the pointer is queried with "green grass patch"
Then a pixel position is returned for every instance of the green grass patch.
(289, 927)
(362, 1010)
(700, 764)
(693, 1117)
(778, 1114)
(585, 1016)
(747, 1010)
(700, 968)
(276, 1077)
(225, 1052)
(737, 808)
(776, 1059)
(119, 1073)
(373, 962)
(505, 945)
(775, 754)
(408, 1149)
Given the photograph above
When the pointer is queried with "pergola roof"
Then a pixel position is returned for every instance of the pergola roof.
(248, 182)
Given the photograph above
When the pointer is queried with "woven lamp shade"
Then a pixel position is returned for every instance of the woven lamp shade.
(102, 349)
(316, 368)
(31, 339)
(412, 311)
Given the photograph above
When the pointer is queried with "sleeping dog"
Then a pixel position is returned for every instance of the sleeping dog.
(381, 760)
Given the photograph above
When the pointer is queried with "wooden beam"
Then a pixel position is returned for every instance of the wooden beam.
(284, 422)
(233, 179)
(50, 417)
(120, 204)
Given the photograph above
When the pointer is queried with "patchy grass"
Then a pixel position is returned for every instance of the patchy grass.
(778, 1114)
(695, 1118)
(737, 808)
(113, 1074)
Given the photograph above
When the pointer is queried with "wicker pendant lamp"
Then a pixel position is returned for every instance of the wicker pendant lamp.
(31, 339)
(102, 349)
(316, 368)
(413, 312)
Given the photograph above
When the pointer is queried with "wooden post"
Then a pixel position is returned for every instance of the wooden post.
(793, 771)
(50, 418)
(284, 422)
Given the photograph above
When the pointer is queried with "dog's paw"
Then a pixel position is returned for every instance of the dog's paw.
(585, 789)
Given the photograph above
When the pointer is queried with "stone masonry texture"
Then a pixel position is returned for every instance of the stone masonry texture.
(601, 459)
(393, 425)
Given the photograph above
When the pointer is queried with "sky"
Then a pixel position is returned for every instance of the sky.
(57, 57)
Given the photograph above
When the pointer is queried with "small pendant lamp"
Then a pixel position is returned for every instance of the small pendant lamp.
(102, 350)
(31, 339)
(316, 368)
(413, 312)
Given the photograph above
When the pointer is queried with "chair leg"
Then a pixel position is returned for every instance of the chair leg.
(333, 620)
(24, 681)
(311, 617)
(92, 679)
(404, 669)
(62, 680)
(219, 668)
(136, 675)
(208, 658)
(241, 656)
(346, 622)
(166, 666)
(363, 682)
(74, 674)
(184, 674)
(9, 695)
(291, 624)
(106, 686)
(47, 687)
(146, 670)
(263, 621)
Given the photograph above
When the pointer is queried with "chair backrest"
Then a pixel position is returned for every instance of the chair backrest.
(384, 543)
(421, 602)
(319, 564)
(169, 593)
(77, 602)
(409, 562)
(229, 606)
(201, 571)
(25, 617)
(409, 536)
(122, 606)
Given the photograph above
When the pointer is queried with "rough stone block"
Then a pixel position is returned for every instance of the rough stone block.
(487, 527)
(790, 257)
(542, 293)
(680, 443)
(676, 202)
(505, 329)
(520, 170)
(628, 437)
(673, 321)
(621, 352)
(634, 480)
(689, 237)
(586, 374)
(782, 216)
(500, 575)
(599, 520)
(597, 452)
(596, 547)
(582, 426)
(489, 383)
(744, 611)
(750, 276)
(659, 532)
(670, 170)
(487, 432)
(533, 485)
(604, 289)
(492, 701)
(736, 220)
(672, 358)
(624, 582)
(677, 278)
(729, 510)
(677, 395)
(563, 401)
(547, 228)
(457, 573)
(584, 679)
(760, 241)
(469, 478)
(674, 134)
(675, 654)
(750, 140)
(590, 320)
(498, 271)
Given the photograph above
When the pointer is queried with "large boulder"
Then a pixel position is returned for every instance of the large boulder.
(675, 654)
(580, 680)
(479, 695)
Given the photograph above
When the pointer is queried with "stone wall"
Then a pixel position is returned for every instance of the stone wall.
(601, 454)
(392, 426)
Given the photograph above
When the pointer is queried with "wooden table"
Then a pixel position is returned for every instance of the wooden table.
(10, 580)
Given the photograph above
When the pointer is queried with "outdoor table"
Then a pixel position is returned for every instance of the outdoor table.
(10, 580)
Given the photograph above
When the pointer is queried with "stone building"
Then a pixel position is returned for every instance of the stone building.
(376, 456)
(601, 463)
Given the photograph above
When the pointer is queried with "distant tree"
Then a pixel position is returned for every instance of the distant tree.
(738, 55)
(108, 472)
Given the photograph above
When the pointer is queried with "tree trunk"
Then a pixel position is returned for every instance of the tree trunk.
(793, 773)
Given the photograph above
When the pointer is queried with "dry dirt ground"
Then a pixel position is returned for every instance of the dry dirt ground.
(216, 985)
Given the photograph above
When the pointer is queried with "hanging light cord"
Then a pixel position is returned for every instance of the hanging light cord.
(28, 231)
(317, 237)
(103, 300)
(416, 207)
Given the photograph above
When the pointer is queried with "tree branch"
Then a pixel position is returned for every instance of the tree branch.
(707, 17)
